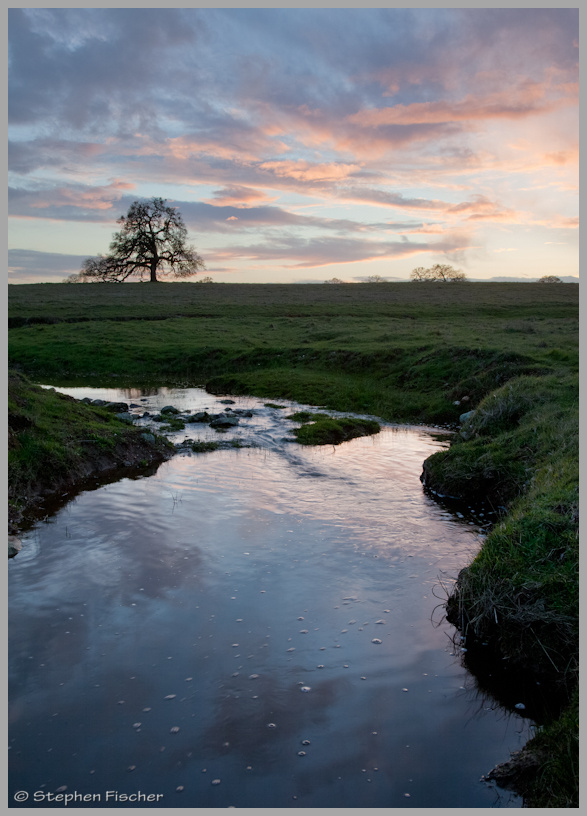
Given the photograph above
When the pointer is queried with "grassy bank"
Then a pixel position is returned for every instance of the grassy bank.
(56, 443)
(404, 352)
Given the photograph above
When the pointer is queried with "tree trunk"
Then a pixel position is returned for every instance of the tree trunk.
(154, 271)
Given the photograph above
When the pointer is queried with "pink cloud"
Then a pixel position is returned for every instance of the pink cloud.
(87, 198)
(307, 171)
(480, 208)
(527, 100)
(237, 196)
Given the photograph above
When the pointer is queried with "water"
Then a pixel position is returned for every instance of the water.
(252, 628)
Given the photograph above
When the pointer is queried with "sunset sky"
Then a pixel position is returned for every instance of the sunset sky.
(298, 144)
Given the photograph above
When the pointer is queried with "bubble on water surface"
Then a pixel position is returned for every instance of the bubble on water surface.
(305, 689)
(303, 631)
(216, 781)
(520, 706)
(292, 649)
(301, 753)
(136, 725)
(306, 742)
(170, 697)
(253, 676)
(174, 729)
(376, 640)
(271, 725)
(180, 788)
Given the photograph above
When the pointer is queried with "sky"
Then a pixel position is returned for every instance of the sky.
(298, 144)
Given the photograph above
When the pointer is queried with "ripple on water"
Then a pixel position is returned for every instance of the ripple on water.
(202, 570)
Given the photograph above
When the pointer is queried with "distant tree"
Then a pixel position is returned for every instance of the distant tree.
(438, 272)
(207, 279)
(152, 241)
(75, 278)
(549, 279)
(334, 280)
(375, 279)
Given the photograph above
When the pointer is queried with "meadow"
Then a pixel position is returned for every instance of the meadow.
(405, 352)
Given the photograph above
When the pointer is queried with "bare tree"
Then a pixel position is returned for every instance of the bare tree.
(152, 241)
(334, 280)
(438, 272)
(375, 279)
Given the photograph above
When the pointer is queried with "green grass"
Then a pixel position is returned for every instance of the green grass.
(55, 441)
(325, 430)
(402, 352)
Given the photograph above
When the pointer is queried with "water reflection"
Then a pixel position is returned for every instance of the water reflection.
(164, 623)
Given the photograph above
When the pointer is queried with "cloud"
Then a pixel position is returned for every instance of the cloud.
(72, 202)
(237, 196)
(29, 266)
(298, 253)
(454, 118)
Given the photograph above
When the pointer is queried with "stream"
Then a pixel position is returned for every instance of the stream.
(252, 627)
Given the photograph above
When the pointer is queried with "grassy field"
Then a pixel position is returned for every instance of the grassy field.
(403, 352)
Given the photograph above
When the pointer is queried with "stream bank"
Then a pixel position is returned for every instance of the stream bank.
(124, 445)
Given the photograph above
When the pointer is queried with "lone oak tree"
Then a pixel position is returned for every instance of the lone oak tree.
(152, 240)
